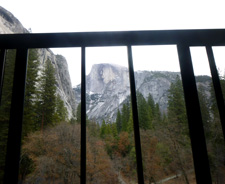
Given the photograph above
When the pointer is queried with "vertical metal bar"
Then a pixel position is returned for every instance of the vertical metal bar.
(83, 118)
(196, 130)
(135, 118)
(217, 87)
(16, 118)
(2, 66)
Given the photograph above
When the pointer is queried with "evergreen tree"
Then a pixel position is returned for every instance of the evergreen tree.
(118, 121)
(31, 93)
(177, 128)
(78, 113)
(130, 124)
(125, 116)
(108, 129)
(151, 104)
(30, 96)
(145, 120)
(114, 130)
(157, 116)
(47, 98)
(61, 113)
(103, 129)
(176, 104)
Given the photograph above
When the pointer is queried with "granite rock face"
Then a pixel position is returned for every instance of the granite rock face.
(108, 87)
(10, 25)
(63, 81)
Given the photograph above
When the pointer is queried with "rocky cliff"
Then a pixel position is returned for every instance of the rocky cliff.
(9, 25)
(108, 87)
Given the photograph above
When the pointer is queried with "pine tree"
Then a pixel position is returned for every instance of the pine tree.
(114, 130)
(118, 121)
(108, 129)
(47, 98)
(61, 113)
(103, 129)
(145, 120)
(176, 104)
(177, 129)
(151, 104)
(157, 116)
(130, 124)
(31, 93)
(125, 116)
(78, 113)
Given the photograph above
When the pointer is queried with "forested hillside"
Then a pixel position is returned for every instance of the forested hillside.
(42, 106)
(51, 153)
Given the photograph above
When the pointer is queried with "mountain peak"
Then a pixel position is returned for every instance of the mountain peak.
(107, 65)
(104, 74)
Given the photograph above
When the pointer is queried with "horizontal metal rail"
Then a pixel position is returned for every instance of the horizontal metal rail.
(210, 37)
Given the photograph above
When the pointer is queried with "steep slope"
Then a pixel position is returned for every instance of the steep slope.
(9, 25)
(108, 87)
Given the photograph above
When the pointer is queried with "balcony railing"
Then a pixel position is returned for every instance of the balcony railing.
(183, 39)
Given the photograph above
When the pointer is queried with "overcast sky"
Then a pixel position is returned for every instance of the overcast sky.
(119, 15)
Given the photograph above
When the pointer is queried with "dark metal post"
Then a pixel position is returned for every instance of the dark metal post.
(83, 118)
(2, 66)
(217, 87)
(196, 130)
(135, 118)
(16, 118)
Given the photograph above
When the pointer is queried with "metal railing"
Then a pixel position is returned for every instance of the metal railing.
(183, 39)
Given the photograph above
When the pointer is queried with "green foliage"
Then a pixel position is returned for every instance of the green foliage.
(130, 123)
(78, 113)
(29, 102)
(47, 97)
(61, 113)
(145, 119)
(147, 112)
(7, 85)
(114, 130)
(164, 152)
(125, 115)
(108, 129)
(176, 104)
(93, 128)
(29, 122)
(26, 166)
(157, 115)
(103, 129)
(151, 105)
(176, 128)
(118, 121)
(215, 139)
(204, 109)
